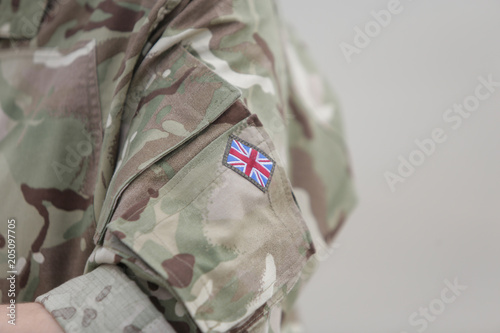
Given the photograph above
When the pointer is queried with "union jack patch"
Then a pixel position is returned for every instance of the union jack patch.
(249, 161)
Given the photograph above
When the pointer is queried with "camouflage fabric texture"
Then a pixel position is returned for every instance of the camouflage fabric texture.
(117, 118)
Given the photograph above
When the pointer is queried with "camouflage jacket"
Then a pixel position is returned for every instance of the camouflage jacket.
(153, 158)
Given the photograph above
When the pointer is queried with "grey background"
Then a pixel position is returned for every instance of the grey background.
(396, 250)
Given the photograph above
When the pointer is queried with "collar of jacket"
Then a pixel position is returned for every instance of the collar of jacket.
(21, 19)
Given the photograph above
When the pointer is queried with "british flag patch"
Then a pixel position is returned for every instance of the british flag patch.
(249, 161)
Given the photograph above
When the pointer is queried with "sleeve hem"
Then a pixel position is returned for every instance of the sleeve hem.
(104, 300)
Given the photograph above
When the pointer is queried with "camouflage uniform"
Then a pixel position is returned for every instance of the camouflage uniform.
(121, 124)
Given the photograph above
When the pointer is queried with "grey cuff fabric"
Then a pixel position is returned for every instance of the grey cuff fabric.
(104, 300)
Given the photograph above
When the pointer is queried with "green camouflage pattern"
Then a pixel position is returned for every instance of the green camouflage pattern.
(115, 116)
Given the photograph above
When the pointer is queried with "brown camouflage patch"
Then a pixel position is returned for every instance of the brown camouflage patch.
(131, 329)
(179, 269)
(88, 316)
(65, 313)
(102, 295)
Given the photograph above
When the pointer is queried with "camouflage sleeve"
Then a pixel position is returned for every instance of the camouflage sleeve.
(202, 213)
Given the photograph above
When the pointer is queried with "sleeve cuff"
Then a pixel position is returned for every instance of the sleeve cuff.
(104, 300)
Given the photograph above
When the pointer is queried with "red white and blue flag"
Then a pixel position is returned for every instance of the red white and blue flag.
(250, 162)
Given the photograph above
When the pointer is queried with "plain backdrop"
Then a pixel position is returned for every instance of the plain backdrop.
(442, 223)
